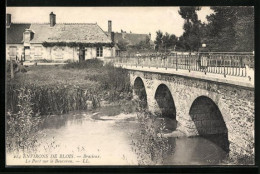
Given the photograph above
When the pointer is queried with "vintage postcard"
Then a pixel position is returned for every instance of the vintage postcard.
(88, 86)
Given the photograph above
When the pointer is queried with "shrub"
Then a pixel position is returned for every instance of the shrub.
(21, 126)
(48, 100)
(151, 147)
(90, 63)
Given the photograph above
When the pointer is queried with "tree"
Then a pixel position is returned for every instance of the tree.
(173, 41)
(158, 40)
(191, 39)
(122, 45)
(144, 45)
(165, 41)
(230, 29)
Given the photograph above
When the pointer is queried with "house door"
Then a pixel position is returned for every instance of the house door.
(27, 53)
(81, 54)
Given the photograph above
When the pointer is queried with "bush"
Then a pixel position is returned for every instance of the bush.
(48, 100)
(21, 126)
(90, 63)
(151, 147)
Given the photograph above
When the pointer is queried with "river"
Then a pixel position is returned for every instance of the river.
(105, 137)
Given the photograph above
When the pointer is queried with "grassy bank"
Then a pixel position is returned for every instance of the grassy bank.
(48, 90)
(75, 86)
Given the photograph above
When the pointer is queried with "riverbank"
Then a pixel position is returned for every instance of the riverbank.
(42, 91)
(93, 104)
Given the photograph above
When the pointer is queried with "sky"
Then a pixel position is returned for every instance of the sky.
(142, 20)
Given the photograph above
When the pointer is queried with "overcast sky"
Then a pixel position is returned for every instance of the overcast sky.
(135, 19)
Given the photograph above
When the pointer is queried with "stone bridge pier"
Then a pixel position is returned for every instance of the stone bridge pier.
(220, 112)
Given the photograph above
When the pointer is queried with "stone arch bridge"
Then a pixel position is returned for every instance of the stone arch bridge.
(216, 109)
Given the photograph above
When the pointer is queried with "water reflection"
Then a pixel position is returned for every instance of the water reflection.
(124, 139)
(195, 151)
(153, 149)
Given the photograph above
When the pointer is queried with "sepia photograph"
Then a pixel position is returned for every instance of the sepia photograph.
(130, 86)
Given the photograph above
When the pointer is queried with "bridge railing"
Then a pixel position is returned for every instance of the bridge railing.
(218, 63)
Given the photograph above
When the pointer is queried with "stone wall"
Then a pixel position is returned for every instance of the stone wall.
(235, 103)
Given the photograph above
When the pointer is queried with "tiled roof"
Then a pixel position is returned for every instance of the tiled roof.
(15, 33)
(69, 32)
(130, 38)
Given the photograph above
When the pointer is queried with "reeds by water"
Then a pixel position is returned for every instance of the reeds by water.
(44, 91)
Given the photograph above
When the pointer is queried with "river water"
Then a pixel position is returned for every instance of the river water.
(105, 137)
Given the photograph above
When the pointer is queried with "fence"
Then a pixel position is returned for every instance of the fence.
(218, 63)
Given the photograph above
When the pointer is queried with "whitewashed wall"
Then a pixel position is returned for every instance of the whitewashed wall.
(107, 52)
(19, 51)
(39, 52)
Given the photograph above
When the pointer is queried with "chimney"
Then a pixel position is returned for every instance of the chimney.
(109, 26)
(52, 19)
(113, 36)
(109, 30)
(150, 36)
(8, 20)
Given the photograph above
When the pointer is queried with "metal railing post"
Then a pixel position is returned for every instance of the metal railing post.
(224, 68)
(176, 62)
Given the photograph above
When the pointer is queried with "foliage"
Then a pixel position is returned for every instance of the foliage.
(76, 87)
(191, 40)
(227, 29)
(143, 45)
(122, 45)
(48, 90)
(165, 41)
(22, 126)
(49, 100)
(239, 160)
(90, 63)
(158, 40)
(16, 67)
(151, 147)
(115, 82)
(230, 29)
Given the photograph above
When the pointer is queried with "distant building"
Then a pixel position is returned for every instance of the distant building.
(57, 41)
(129, 39)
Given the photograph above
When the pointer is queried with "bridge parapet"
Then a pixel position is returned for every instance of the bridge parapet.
(226, 68)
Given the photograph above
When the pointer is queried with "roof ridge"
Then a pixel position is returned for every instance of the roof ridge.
(77, 23)
(138, 33)
(20, 23)
(69, 23)
(103, 32)
(131, 33)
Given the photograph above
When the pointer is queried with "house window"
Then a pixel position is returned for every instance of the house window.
(38, 51)
(12, 50)
(99, 52)
(58, 52)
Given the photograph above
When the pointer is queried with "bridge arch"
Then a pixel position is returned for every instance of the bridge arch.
(209, 121)
(166, 105)
(140, 92)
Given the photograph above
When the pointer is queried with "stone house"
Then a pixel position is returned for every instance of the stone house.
(57, 42)
(130, 40)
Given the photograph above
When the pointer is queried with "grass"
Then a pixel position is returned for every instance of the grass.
(50, 90)
(55, 87)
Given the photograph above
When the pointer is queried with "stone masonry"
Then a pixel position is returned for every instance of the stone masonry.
(234, 107)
